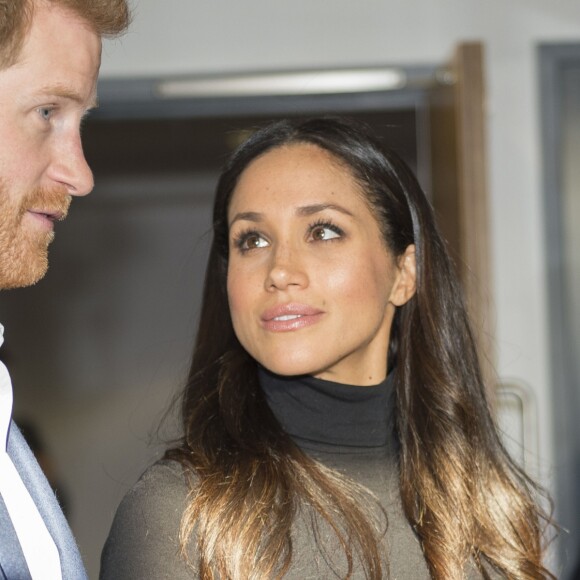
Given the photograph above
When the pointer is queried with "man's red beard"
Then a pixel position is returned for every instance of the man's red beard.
(24, 244)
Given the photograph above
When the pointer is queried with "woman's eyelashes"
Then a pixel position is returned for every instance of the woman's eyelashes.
(324, 230)
(248, 240)
(319, 231)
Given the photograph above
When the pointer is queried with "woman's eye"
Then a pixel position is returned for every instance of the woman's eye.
(322, 232)
(252, 241)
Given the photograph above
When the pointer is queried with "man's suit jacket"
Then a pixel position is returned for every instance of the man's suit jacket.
(12, 562)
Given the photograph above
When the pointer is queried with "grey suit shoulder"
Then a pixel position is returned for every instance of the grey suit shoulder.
(12, 563)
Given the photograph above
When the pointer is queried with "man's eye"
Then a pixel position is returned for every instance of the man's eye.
(45, 112)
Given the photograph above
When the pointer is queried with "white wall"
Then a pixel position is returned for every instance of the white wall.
(188, 37)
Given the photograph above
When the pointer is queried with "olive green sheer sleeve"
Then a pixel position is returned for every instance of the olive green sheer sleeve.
(143, 542)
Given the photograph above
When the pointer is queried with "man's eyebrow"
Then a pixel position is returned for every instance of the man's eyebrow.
(65, 92)
(307, 210)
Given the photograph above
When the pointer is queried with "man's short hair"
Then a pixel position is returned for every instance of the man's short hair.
(107, 17)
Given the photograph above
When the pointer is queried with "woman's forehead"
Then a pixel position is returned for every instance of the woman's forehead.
(294, 174)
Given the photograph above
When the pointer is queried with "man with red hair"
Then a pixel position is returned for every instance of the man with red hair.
(50, 54)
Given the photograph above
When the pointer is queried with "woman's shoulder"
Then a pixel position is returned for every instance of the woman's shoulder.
(158, 494)
(163, 475)
(144, 539)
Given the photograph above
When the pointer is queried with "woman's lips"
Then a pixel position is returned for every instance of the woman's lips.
(290, 317)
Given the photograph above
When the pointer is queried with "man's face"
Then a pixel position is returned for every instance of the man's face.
(43, 98)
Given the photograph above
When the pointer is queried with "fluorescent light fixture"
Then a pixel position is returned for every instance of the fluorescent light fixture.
(295, 83)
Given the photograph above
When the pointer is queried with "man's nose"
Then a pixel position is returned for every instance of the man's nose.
(70, 168)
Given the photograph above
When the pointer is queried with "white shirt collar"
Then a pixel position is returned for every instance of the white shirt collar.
(5, 399)
(38, 547)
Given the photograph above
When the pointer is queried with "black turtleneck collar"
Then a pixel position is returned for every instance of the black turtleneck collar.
(330, 413)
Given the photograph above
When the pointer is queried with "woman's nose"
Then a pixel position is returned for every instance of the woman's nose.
(286, 269)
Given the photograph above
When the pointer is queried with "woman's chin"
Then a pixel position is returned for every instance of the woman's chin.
(289, 368)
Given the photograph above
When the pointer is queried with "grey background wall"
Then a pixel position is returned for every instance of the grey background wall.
(100, 435)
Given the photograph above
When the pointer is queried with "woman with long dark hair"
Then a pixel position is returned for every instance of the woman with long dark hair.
(335, 420)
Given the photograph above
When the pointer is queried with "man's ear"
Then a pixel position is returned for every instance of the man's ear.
(406, 281)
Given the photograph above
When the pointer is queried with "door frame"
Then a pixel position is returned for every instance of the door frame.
(554, 59)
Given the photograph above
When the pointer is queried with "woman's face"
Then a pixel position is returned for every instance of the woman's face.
(312, 288)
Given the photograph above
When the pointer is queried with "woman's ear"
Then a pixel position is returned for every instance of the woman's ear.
(406, 281)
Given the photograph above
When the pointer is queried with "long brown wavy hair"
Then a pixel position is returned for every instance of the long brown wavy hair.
(468, 502)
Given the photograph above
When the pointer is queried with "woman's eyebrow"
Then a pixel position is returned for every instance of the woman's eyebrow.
(250, 216)
(307, 210)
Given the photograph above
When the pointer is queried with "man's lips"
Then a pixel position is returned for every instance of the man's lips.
(287, 317)
(55, 215)
(46, 217)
